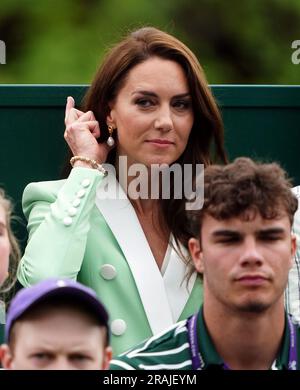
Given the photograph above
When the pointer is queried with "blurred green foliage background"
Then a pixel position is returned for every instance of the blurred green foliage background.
(63, 41)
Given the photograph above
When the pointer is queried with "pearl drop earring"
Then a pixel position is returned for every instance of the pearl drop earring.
(110, 141)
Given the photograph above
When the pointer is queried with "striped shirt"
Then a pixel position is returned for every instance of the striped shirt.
(292, 292)
(170, 350)
(166, 350)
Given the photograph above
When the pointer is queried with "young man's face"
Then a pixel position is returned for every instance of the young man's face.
(245, 264)
(57, 340)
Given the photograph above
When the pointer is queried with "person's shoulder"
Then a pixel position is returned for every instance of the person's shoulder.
(167, 349)
(296, 322)
(296, 191)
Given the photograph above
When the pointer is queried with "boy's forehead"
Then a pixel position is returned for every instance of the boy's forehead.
(33, 337)
(248, 219)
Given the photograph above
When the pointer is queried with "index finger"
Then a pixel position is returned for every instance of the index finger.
(70, 104)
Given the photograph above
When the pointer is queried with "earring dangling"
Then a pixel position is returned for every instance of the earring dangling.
(110, 141)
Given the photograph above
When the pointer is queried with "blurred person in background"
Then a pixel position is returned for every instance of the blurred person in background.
(9, 253)
(292, 292)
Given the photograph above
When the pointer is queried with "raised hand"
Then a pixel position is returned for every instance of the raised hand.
(81, 133)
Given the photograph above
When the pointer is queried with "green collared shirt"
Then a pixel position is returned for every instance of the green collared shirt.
(171, 350)
(211, 357)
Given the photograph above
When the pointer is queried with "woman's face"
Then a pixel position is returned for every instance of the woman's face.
(4, 246)
(153, 113)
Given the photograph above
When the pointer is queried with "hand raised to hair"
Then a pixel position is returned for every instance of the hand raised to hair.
(81, 133)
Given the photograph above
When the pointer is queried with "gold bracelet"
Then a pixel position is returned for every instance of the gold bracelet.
(93, 163)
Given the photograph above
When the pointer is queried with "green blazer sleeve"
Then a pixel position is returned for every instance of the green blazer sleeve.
(58, 223)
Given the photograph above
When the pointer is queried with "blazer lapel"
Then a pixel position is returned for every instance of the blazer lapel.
(123, 222)
(176, 285)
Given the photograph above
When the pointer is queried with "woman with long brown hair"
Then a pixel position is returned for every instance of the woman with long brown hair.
(9, 254)
(149, 106)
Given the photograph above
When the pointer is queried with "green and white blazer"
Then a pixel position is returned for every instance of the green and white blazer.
(79, 230)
